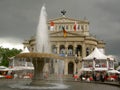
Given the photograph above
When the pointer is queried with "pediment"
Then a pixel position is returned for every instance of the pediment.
(67, 20)
(62, 19)
(68, 33)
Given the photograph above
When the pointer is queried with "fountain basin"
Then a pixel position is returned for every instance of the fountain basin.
(39, 55)
(38, 61)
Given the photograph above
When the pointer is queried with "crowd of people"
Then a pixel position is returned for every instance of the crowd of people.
(83, 76)
(16, 75)
(96, 76)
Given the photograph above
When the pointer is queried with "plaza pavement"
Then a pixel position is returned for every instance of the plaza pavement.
(72, 85)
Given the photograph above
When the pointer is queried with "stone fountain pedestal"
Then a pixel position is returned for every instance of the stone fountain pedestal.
(38, 78)
(39, 60)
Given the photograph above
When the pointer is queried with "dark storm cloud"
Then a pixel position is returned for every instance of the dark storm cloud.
(109, 24)
(112, 8)
(111, 11)
(19, 18)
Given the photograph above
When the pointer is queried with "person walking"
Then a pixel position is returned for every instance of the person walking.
(75, 77)
(102, 77)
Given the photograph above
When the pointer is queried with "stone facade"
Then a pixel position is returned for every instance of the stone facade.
(76, 44)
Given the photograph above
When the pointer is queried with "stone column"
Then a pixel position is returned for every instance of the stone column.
(66, 67)
(83, 50)
(58, 48)
(74, 48)
(66, 50)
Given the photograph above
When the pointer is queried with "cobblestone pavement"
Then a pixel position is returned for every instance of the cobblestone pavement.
(6, 85)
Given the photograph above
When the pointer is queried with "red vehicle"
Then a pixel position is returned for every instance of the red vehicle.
(8, 77)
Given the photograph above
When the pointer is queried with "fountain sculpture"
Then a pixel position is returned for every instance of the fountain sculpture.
(42, 53)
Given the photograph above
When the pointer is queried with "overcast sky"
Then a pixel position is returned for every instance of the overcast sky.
(19, 18)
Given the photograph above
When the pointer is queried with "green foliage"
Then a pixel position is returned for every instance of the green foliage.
(6, 53)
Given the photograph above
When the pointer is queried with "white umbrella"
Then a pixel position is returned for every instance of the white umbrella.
(17, 68)
(86, 69)
(28, 68)
(113, 71)
(3, 68)
(101, 69)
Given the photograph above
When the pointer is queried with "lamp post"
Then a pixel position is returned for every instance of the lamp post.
(76, 61)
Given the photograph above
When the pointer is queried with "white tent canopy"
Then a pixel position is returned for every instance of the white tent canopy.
(96, 54)
(25, 50)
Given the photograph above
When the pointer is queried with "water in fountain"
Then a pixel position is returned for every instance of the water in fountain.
(42, 38)
(61, 70)
(42, 41)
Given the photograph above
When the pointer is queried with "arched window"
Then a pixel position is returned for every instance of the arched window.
(62, 50)
(79, 50)
(70, 50)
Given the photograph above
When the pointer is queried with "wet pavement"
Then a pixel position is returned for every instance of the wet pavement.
(69, 85)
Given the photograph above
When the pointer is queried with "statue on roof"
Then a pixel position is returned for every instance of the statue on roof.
(63, 12)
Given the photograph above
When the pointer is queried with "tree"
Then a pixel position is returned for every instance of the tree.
(6, 53)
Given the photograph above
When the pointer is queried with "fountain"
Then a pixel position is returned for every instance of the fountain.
(42, 53)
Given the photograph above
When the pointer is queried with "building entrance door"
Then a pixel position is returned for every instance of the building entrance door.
(70, 68)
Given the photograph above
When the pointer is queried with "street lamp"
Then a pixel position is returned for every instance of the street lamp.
(76, 61)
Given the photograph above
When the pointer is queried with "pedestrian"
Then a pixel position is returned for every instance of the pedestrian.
(94, 76)
(81, 77)
(15, 75)
(102, 77)
(75, 77)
